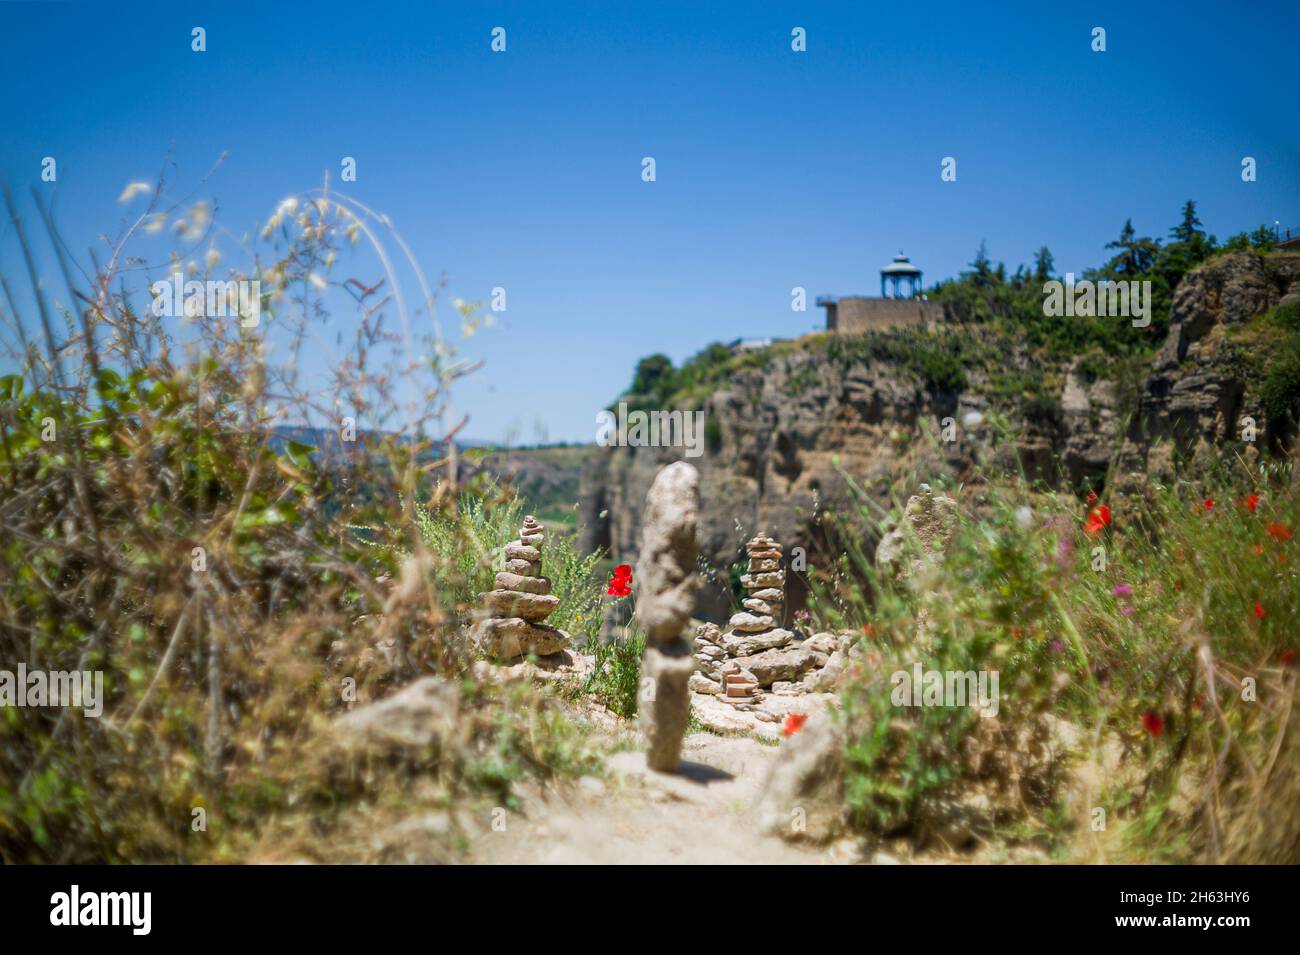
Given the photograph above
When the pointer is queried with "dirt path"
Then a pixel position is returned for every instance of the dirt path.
(702, 816)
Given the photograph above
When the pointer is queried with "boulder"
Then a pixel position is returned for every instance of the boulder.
(802, 798)
(506, 638)
(513, 603)
(783, 664)
(744, 645)
(420, 718)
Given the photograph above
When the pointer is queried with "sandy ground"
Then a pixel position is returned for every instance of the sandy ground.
(701, 816)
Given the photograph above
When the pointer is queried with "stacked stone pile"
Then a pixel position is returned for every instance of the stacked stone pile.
(521, 602)
(755, 653)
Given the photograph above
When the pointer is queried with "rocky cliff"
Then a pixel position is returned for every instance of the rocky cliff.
(795, 428)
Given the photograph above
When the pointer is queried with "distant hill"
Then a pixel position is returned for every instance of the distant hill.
(547, 478)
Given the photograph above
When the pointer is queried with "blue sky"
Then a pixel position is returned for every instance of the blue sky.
(774, 168)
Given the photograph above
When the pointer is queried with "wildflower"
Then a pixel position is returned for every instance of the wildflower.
(1208, 503)
(1258, 548)
(1024, 517)
(1260, 612)
(1058, 646)
(620, 582)
(1092, 497)
(1250, 502)
(972, 419)
(1286, 658)
(1126, 610)
(794, 723)
(1279, 531)
(1098, 518)
(1123, 590)
(868, 629)
(1153, 722)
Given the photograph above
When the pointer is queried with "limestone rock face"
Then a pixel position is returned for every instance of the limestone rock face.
(792, 430)
(1194, 398)
(665, 599)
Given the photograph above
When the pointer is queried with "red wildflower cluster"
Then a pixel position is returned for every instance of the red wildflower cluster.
(1153, 722)
(620, 583)
(794, 723)
(1279, 532)
(1250, 502)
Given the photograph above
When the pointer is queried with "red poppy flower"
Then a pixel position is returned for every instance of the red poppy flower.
(1092, 498)
(1259, 610)
(1250, 502)
(1258, 548)
(868, 629)
(1208, 503)
(1098, 518)
(1153, 722)
(620, 583)
(794, 723)
(1287, 657)
(1279, 531)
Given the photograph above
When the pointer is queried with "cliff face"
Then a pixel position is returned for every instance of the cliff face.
(1194, 400)
(789, 436)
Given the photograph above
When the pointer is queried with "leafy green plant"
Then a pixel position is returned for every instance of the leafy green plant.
(615, 679)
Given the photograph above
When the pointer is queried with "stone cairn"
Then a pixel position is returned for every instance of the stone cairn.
(755, 654)
(521, 602)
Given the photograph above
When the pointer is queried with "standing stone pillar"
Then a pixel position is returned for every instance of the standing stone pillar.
(665, 599)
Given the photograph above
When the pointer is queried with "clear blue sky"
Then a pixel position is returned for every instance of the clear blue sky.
(775, 168)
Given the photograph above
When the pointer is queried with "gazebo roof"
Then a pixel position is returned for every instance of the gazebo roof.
(900, 266)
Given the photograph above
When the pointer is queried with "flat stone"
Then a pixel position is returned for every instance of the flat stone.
(783, 664)
(770, 594)
(747, 644)
(773, 553)
(516, 551)
(510, 637)
(775, 578)
(513, 603)
(826, 643)
(525, 568)
(699, 683)
(529, 585)
(532, 540)
(751, 623)
(760, 566)
(761, 606)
